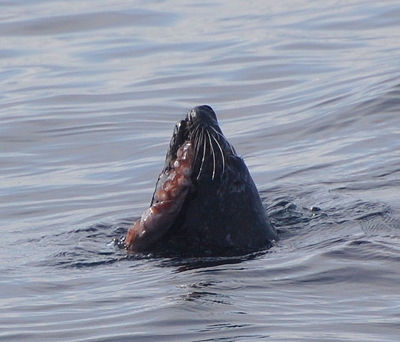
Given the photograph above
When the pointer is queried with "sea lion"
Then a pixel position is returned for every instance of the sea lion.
(205, 201)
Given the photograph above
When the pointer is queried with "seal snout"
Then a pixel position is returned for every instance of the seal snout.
(203, 116)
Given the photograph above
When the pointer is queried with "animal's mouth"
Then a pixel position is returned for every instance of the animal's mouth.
(210, 147)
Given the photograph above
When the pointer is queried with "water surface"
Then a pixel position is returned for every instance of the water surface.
(307, 92)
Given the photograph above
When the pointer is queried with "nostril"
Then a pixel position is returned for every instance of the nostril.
(193, 114)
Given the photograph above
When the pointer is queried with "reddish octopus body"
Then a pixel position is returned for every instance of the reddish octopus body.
(168, 200)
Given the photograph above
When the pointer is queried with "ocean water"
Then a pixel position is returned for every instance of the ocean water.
(308, 93)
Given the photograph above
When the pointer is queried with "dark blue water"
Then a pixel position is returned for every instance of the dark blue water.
(307, 92)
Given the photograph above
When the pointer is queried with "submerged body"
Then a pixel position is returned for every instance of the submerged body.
(205, 201)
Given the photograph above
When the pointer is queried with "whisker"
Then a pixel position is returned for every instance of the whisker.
(222, 152)
(204, 153)
(216, 132)
(223, 137)
(213, 154)
(202, 137)
(195, 139)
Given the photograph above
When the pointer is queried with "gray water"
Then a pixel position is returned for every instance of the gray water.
(308, 92)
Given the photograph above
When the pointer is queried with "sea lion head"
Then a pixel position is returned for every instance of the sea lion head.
(210, 147)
